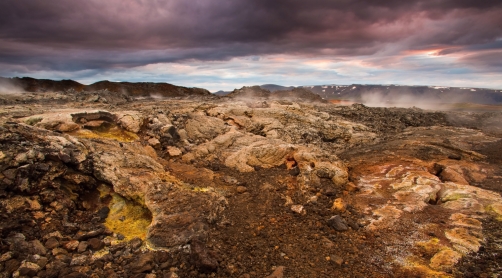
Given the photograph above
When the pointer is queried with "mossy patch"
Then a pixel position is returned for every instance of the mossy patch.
(128, 218)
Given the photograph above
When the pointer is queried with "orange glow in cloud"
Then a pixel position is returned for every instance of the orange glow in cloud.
(436, 51)
(431, 51)
(318, 63)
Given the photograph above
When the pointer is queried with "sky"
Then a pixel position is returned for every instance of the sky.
(227, 44)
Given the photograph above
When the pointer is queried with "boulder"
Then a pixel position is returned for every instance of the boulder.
(130, 120)
(265, 154)
(200, 127)
(334, 171)
(338, 223)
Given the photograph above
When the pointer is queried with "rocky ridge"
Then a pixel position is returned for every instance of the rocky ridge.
(93, 92)
(243, 187)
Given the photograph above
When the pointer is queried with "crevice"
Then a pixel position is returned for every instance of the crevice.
(437, 171)
(437, 197)
(96, 116)
(436, 201)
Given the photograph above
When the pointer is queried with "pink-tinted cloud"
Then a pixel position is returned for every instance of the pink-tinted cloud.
(119, 34)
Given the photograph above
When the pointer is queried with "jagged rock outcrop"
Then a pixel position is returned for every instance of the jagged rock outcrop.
(201, 127)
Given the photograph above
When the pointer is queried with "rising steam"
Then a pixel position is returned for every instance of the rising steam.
(377, 99)
(7, 87)
(428, 100)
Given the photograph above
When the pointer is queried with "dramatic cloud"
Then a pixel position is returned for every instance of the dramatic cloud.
(370, 38)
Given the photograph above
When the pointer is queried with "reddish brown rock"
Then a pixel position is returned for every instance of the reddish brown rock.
(96, 243)
(82, 246)
(51, 243)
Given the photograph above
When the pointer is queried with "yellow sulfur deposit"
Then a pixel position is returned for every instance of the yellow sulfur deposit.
(128, 218)
(113, 132)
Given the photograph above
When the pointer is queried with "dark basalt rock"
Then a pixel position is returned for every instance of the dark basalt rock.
(202, 258)
(338, 223)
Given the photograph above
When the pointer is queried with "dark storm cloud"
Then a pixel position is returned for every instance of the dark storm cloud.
(73, 35)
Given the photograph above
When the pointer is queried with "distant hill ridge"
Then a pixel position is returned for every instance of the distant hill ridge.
(390, 93)
(137, 89)
(254, 92)
(400, 93)
(384, 94)
(274, 87)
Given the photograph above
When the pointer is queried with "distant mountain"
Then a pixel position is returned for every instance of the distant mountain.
(222, 93)
(139, 89)
(269, 87)
(257, 92)
(274, 87)
(249, 93)
(29, 84)
(371, 95)
(388, 94)
(147, 89)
